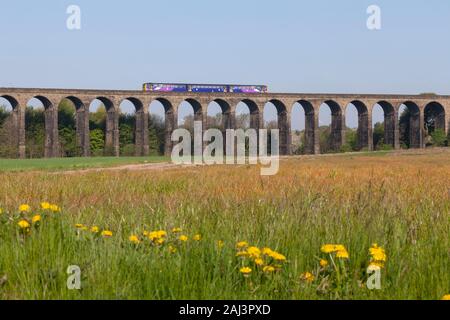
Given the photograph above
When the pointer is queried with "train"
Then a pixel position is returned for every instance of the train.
(204, 88)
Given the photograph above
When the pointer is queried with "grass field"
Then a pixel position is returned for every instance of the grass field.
(401, 202)
(73, 163)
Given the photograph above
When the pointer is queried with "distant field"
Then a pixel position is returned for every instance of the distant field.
(228, 216)
(73, 163)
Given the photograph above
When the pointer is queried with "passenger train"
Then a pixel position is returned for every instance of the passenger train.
(204, 88)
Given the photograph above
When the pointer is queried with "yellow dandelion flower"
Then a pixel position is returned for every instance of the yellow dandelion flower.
(79, 226)
(268, 269)
(37, 218)
(172, 249)
(259, 262)
(160, 241)
(24, 224)
(308, 277)
(242, 244)
(95, 229)
(342, 254)
(24, 208)
(198, 237)
(254, 252)
(242, 254)
(377, 253)
(332, 248)
(323, 263)
(54, 208)
(45, 205)
(183, 238)
(267, 251)
(220, 244)
(107, 234)
(246, 270)
(446, 297)
(134, 239)
(177, 230)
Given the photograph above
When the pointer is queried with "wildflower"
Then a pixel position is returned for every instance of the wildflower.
(107, 234)
(242, 254)
(54, 208)
(378, 254)
(342, 254)
(323, 263)
(241, 245)
(446, 297)
(24, 224)
(24, 208)
(157, 235)
(308, 277)
(177, 230)
(36, 219)
(95, 229)
(268, 269)
(79, 226)
(267, 251)
(134, 239)
(332, 248)
(198, 237)
(259, 262)
(220, 244)
(172, 249)
(45, 206)
(246, 270)
(160, 241)
(183, 238)
(254, 252)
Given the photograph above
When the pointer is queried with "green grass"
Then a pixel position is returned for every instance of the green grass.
(401, 203)
(73, 163)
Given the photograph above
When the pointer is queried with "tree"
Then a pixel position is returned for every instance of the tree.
(438, 138)
(404, 128)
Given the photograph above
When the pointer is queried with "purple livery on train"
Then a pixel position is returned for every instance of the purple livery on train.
(204, 88)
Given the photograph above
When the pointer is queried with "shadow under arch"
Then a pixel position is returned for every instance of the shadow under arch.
(337, 128)
(309, 140)
(410, 129)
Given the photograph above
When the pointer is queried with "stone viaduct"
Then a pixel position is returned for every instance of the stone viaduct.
(418, 105)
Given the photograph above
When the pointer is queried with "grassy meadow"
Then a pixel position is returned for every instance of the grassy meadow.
(225, 232)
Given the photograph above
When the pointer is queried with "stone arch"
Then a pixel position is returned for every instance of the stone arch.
(337, 127)
(283, 125)
(364, 130)
(310, 126)
(51, 134)
(71, 123)
(138, 121)
(10, 128)
(390, 129)
(434, 117)
(109, 125)
(170, 122)
(410, 125)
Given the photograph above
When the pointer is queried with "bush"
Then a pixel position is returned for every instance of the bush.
(438, 138)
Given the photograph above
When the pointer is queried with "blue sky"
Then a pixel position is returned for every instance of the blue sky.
(292, 46)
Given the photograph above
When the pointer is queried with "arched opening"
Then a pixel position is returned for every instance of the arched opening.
(161, 109)
(8, 127)
(303, 127)
(383, 121)
(220, 117)
(275, 117)
(189, 112)
(41, 128)
(102, 127)
(434, 123)
(157, 127)
(69, 136)
(132, 128)
(410, 130)
(332, 127)
(358, 132)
